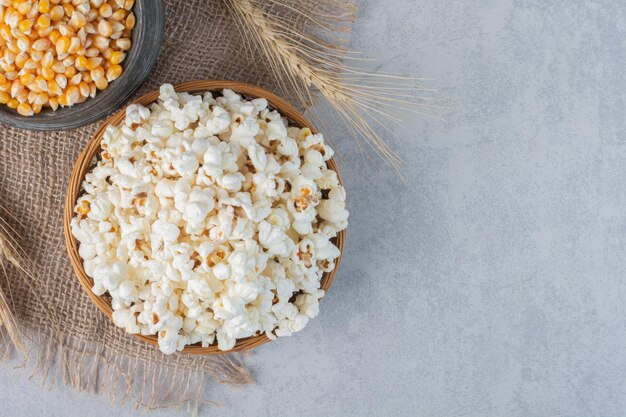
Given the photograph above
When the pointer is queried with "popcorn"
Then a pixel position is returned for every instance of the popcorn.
(208, 220)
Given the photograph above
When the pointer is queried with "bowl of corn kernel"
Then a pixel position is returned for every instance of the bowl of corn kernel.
(68, 63)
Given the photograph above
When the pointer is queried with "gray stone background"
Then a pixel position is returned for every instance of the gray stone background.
(491, 284)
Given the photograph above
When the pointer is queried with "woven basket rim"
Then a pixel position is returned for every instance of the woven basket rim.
(84, 162)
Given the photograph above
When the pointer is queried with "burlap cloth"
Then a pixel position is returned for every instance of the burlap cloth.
(71, 341)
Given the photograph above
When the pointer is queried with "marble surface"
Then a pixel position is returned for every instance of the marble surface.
(492, 284)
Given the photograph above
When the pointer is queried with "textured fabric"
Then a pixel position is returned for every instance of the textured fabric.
(71, 338)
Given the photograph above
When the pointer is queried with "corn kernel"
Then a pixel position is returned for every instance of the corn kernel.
(58, 67)
(12, 104)
(93, 63)
(83, 87)
(44, 6)
(57, 13)
(72, 94)
(101, 83)
(97, 73)
(25, 25)
(128, 4)
(41, 44)
(70, 72)
(81, 63)
(36, 55)
(117, 57)
(54, 88)
(27, 79)
(62, 45)
(24, 7)
(24, 109)
(54, 36)
(68, 9)
(114, 72)
(47, 60)
(47, 73)
(78, 20)
(4, 97)
(76, 79)
(43, 21)
(87, 77)
(131, 21)
(105, 10)
(74, 45)
(105, 28)
(61, 80)
(123, 44)
(118, 15)
(53, 102)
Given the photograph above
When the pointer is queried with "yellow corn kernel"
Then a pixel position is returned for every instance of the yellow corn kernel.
(114, 72)
(23, 43)
(25, 25)
(101, 42)
(93, 63)
(26, 79)
(76, 79)
(4, 97)
(54, 89)
(118, 4)
(128, 4)
(16, 88)
(25, 110)
(34, 87)
(36, 55)
(105, 28)
(74, 45)
(97, 73)
(72, 94)
(3, 79)
(43, 21)
(63, 100)
(92, 90)
(70, 72)
(32, 96)
(5, 32)
(117, 57)
(92, 52)
(22, 97)
(78, 20)
(105, 10)
(106, 54)
(41, 44)
(68, 9)
(54, 36)
(101, 83)
(87, 77)
(47, 60)
(131, 21)
(57, 13)
(24, 7)
(81, 63)
(42, 99)
(83, 88)
(47, 73)
(58, 67)
(36, 108)
(43, 6)
(11, 76)
(44, 32)
(61, 79)
(118, 15)
(53, 102)
(13, 103)
(66, 30)
(62, 45)
(123, 44)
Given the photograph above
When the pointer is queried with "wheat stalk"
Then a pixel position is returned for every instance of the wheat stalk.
(310, 63)
(10, 255)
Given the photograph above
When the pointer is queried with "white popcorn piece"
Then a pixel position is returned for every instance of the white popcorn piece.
(208, 219)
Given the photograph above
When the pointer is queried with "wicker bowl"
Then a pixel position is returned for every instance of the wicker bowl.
(85, 162)
(146, 37)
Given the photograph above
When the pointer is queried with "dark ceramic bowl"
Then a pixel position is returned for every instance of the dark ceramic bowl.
(147, 37)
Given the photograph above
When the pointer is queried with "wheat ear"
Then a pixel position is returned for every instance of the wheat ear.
(10, 255)
(317, 61)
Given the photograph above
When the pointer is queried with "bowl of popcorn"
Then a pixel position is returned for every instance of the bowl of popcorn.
(208, 217)
(68, 63)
